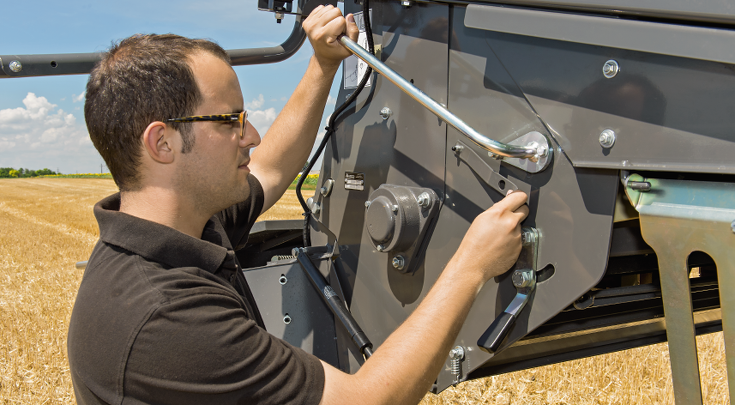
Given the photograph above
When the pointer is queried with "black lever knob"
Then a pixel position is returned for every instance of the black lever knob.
(494, 335)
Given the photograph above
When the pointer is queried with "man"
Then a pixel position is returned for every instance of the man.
(164, 314)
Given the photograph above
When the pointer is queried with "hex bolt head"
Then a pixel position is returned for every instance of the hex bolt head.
(287, 319)
(395, 208)
(610, 69)
(380, 248)
(385, 113)
(424, 200)
(527, 236)
(15, 66)
(607, 138)
(367, 204)
(398, 262)
(521, 278)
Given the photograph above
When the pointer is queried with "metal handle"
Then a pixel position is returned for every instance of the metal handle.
(524, 281)
(533, 151)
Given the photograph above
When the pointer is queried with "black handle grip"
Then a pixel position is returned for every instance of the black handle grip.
(496, 333)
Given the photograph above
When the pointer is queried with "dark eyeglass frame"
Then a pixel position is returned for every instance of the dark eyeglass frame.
(241, 117)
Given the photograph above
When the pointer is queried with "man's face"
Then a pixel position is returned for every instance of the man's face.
(214, 173)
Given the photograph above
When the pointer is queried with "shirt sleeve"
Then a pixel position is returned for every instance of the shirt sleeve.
(202, 349)
(238, 219)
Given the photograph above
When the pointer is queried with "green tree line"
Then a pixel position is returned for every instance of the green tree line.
(8, 172)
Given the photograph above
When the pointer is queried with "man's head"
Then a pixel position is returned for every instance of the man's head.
(142, 79)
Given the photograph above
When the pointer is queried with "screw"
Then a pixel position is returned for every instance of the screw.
(15, 66)
(283, 280)
(456, 355)
(398, 262)
(521, 278)
(380, 248)
(367, 204)
(385, 113)
(607, 138)
(610, 69)
(395, 209)
(424, 200)
(287, 319)
(457, 148)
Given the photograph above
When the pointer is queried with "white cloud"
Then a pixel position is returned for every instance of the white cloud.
(78, 98)
(262, 119)
(42, 135)
(255, 104)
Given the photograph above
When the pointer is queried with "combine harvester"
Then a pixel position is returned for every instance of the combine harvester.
(616, 117)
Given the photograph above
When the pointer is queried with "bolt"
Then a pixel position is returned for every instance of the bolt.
(527, 236)
(406, 3)
(610, 69)
(15, 66)
(367, 204)
(283, 280)
(398, 262)
(457, 148)
(380, 248)
(395, 209)
(279, 17)
(424, 200)
(385, 113)
(313, 206)
(607, 138)
(287, 319)
(521, 278)
(457, 353)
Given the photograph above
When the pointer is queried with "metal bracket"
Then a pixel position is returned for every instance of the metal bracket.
(677, 218)
(524, 280)
(491, 177)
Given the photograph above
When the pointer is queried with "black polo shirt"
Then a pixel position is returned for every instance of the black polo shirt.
(165, 318)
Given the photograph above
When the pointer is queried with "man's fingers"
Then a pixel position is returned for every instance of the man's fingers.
(512, 201)
(521, 213)
(352, 30)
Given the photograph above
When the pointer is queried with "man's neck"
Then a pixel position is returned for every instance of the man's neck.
(164, 207)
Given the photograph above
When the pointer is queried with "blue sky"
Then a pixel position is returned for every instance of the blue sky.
(42, 120)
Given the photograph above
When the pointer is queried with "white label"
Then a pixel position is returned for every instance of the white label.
(354, 68)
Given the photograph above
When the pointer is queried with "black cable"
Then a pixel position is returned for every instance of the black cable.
(331, 124)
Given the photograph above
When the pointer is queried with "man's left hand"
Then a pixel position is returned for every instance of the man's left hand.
(323, 26)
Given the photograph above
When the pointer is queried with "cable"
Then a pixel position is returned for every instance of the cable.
(331, 124)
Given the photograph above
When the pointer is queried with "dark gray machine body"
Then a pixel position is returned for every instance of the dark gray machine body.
(508, 71)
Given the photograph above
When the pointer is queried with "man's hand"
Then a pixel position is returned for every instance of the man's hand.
(323, 26)
(493, 242)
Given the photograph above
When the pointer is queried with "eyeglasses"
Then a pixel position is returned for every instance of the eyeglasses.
(241, 117)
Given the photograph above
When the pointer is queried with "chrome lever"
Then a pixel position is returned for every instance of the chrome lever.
(538, 151)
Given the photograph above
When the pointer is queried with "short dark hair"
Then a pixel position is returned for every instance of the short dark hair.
(141, 79)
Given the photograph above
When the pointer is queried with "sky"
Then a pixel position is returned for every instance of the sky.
(41, 118)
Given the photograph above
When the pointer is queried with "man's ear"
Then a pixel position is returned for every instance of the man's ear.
(159, 142)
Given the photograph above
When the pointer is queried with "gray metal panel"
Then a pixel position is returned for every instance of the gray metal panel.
(667, 39)
(312, 324)
(722, 11)
(669, 113)
(571, 208)
(407, 149)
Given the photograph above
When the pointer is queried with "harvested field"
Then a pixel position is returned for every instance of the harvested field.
(47, 225)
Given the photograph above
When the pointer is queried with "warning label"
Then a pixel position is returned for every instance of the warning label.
(354, 68)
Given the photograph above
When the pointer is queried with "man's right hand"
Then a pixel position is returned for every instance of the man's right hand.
(493, 242)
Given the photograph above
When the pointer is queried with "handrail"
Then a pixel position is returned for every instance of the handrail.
(81, 63)
(532, 151)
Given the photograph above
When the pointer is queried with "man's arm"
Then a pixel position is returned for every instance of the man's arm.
(403, 368)
(287, 145)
